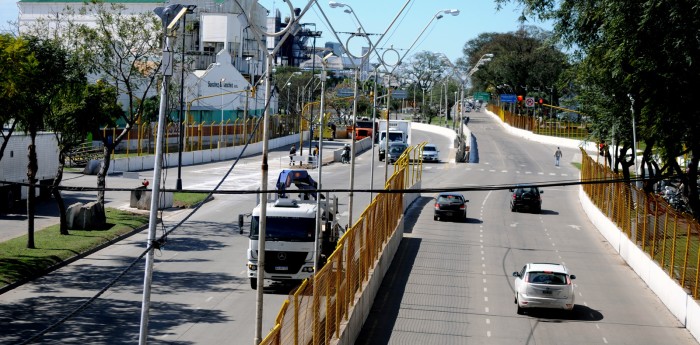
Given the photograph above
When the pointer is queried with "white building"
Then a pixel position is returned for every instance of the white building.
(224, 54)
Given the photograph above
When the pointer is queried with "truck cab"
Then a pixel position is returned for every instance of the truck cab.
(394, 137)
(290, 231)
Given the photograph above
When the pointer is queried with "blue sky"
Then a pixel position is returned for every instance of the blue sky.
(446, 35)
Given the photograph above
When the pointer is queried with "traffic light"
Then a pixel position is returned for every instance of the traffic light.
(520, 98)
(541, 101)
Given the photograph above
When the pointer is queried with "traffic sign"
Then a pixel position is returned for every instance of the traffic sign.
(346, 92)
(399, 94)
(508, 98)
(482, 96)
(530, 102)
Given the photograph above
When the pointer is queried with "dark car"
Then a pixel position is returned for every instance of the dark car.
(450, 205)
(395, 151)
(526, 197)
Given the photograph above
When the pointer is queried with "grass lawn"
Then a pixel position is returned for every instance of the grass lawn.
(18, 263)
(187, 200)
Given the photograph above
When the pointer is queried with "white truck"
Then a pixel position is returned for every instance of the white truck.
(13, 167)
(399, 131)
(290, 231)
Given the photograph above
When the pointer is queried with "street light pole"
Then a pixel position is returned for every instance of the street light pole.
(169, 16)
(180, 132)
(221, 126)
(319, 161)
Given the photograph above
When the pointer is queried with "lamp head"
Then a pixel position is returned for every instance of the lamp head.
(489, 55)
(439, 16)
(334, 4)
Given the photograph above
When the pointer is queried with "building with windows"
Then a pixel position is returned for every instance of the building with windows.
(220, 43)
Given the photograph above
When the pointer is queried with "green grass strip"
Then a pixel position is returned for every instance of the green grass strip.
(18, 263)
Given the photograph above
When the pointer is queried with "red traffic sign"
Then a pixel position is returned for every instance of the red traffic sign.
(530, 102)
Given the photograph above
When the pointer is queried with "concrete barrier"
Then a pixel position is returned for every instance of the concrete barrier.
(362, 305)
(678, 301)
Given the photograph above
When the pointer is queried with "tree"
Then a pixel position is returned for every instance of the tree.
(643, 51)
(16, 67)
(123, 49)
(51, 72)
(79, 111)
(525, 60)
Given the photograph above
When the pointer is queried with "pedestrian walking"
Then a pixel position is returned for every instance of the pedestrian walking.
(557, 156)
(292, 153)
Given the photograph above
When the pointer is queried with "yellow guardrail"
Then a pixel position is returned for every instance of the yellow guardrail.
(312, 314)
(671, 238)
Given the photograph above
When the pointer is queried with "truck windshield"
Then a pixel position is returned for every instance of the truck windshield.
(364, 124)
(285, 229)
(395, 136)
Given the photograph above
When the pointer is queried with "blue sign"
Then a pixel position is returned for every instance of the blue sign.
(345, 92)
(508, 98)
(399, 94)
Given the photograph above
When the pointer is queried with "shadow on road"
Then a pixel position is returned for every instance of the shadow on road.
(380, 323)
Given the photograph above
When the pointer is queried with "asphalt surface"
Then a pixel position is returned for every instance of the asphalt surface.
(451, 282)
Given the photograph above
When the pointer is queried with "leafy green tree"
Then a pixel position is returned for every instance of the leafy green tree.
(79, 111)
(49, 73)
(16, 64)
(124, 50)
(526, 60)
(641, 55)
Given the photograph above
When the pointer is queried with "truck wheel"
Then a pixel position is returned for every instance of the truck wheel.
(254, 283)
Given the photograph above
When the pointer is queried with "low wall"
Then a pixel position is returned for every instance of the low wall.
(350, 329)
(360, 146)
(140, 163)
(677, 300)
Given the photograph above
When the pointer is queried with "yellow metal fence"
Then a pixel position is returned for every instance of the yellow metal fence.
(140, 140)
(313, 313)
(671, 238)
(554, 128)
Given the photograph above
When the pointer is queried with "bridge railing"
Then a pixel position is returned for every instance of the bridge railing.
(314, 312)
(671, 238)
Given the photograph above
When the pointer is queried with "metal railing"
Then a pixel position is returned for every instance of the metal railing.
(671, 238)
(140, 140)
(541, 126)
(313, 313)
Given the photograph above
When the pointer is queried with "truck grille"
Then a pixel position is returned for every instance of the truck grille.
(284, 262)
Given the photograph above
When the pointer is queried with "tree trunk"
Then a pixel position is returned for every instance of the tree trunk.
(102, 173)
(32, 168)
(57, 193)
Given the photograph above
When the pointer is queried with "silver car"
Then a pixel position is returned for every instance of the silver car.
(430, 153)
(544, 285)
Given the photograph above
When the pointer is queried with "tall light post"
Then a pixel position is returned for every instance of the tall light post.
(221, 125)
(181, 132)
(422, 103)
(169, 16)
(319, 160)
(252, 82)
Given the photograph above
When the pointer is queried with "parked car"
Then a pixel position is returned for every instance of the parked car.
(395, 151)
(526, 197)
(450, 205)
(430, 153)
(544, 285)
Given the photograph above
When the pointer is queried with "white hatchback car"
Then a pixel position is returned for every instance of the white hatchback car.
(544, 285)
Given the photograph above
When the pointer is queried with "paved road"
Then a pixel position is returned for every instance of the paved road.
(200, 292)
(451, 283)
